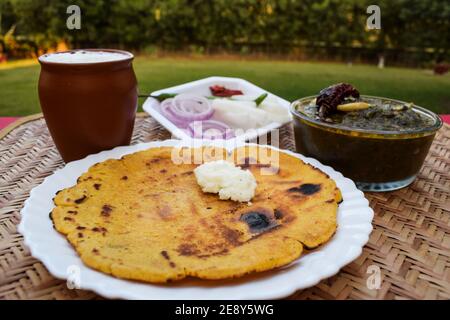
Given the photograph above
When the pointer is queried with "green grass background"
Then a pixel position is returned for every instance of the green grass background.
(290, 80)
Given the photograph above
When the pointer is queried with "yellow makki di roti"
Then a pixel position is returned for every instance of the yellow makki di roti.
(144, 217)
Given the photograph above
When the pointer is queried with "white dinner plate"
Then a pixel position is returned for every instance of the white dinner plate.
(46, 244)
(201, 87)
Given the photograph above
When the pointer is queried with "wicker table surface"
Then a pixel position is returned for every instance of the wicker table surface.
(409, 246)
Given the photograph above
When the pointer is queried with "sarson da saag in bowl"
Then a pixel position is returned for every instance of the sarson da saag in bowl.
(381, 143)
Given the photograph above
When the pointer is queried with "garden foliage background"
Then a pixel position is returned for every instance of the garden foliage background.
(413, 33)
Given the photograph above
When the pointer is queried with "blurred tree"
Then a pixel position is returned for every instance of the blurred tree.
(411, 31)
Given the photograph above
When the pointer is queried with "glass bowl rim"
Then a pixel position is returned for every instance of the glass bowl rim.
(429, 129)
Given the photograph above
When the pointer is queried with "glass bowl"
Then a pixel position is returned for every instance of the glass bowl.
(376, 160)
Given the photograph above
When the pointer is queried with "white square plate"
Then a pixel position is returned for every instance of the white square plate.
(201, 87)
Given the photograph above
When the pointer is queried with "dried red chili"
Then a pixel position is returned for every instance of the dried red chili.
(221, 91)
(329, 98)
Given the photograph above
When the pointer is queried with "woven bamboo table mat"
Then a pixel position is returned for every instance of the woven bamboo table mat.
(410, 243)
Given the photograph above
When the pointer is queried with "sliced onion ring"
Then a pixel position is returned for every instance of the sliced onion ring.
(210, 129)
(185, 108)
(191, 107)
(166, 110)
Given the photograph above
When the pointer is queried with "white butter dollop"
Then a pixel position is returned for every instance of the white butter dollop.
(224, 178)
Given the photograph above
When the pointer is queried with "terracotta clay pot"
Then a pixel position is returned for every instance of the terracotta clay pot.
(89, 107)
